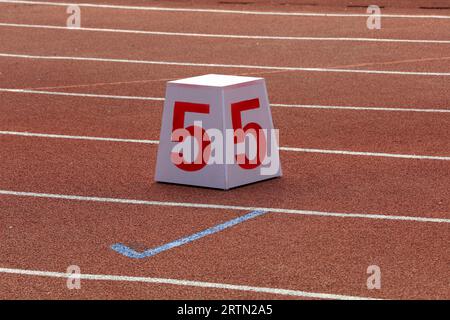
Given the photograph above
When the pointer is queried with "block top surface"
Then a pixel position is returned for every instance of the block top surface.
(215, 80)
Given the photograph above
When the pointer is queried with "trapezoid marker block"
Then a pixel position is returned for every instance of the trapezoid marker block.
(217, 132)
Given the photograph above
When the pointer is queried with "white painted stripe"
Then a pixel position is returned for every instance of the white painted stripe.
(226, 36)
(88, 95)
(184, 283)
(359, 108)
(366, 154)
(223, 207)
(291, 149)
(268, 13)
(217, 65)
(62, 136)
(83, 95)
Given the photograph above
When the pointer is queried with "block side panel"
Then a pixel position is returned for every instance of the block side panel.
(211, 175)
(262, 116)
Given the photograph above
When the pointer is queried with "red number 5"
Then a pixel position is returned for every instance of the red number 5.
(253, 128)
(179, 112)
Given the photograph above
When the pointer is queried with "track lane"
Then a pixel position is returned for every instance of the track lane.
(373, 56)
(301, 253)
(284, 87)
(238, 24)
(365, 131)
(317, 182)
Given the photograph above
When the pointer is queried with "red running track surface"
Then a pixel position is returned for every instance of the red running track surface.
(315, 254)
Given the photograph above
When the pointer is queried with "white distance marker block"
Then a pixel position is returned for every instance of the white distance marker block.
(217, 132)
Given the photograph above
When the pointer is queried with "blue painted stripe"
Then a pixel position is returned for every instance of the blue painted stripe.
(128, 252)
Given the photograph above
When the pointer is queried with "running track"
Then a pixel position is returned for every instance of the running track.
(364, 119)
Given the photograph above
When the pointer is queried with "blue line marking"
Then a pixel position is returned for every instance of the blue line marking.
(128, 252)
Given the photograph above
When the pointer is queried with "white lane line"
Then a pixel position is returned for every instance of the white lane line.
(303, 106)
(225, 36)
(62, 136)
(366, 154)
(217, 65)
(88, 95)
(83, 95)
(222, 207)
(290, 149)
(184, 283)
(268, 13)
